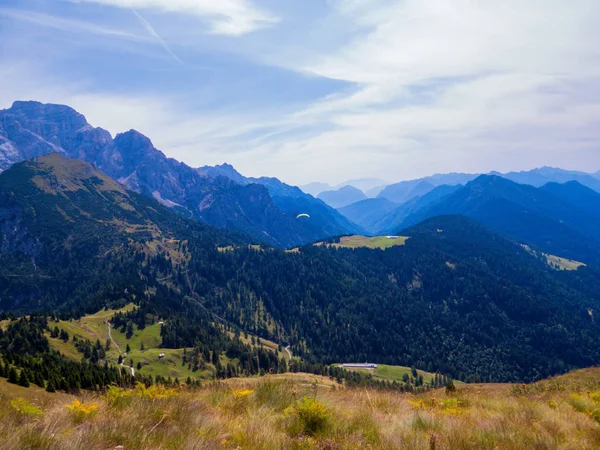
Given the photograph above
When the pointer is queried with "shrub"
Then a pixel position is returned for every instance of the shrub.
(25, 408)
(120, 397)
(417, 404)
(154, 392)
(242, 393)
(82, 411)
(311, 413)
(595, 397)
(586, 405)
(453, 407)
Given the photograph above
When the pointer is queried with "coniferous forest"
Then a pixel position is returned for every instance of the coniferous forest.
(457, 299)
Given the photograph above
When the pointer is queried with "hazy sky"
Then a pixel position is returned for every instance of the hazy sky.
(324, 90)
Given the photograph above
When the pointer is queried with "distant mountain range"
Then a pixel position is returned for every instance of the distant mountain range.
(410, 196)
(561, 219)
(342, 197)
(371, 187)
(265, 209)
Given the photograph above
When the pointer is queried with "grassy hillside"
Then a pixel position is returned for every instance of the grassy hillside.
(563, 263)
(95, 327)
(299, 411)
(381, 242)
(393, 373)
(556, 262)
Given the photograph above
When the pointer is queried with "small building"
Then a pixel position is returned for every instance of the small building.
(359, 366)
(161, 323)
(161, 355)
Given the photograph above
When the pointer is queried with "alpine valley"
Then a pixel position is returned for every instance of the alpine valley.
(120, 266)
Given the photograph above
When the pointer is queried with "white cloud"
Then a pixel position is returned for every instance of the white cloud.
(432, 86)
(458, 85)
(227, 17)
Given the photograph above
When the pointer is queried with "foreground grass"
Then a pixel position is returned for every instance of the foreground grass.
(299, 411)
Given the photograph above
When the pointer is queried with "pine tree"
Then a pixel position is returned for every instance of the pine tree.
(3, 370)
(139, 365)
(39, 380)
(13, 377)
(142, 346)
(51, 387)
(120, 360)
(129, 332)
(23, 381)
(128, 348)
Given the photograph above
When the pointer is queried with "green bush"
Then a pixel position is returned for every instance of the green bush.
(311, 413)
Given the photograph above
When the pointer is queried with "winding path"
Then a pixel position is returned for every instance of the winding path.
(287, 349)
(118, 348)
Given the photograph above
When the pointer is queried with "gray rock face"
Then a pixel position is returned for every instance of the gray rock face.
(30, 129)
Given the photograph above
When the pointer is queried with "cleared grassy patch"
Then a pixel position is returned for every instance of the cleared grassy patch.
(94, 327)
(168, 366)
(556, 262)
(375, 242)
(231, 248)
(393, 373)
(270, 345)
(67, 349)
(563, 263)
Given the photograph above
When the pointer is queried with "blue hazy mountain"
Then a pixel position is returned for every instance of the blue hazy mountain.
(343, 196)
(369, 212)
(553, 219)
(30, 129)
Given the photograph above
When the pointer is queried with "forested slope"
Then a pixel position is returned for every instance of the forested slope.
(457, 298)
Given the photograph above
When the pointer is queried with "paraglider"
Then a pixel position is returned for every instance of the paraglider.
(302, 215)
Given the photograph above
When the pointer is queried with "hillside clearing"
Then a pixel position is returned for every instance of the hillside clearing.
(374, 242)
(392, 373)
(563, 263)
(94, 327)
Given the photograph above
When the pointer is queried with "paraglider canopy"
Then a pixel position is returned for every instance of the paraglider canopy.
(302, 215)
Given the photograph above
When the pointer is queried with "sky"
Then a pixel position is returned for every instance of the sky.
(322, 90)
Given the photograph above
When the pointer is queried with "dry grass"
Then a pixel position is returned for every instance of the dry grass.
(270, 413)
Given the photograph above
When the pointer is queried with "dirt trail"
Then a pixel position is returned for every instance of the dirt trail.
(118, 348)
(112, 340)
(287, 349)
